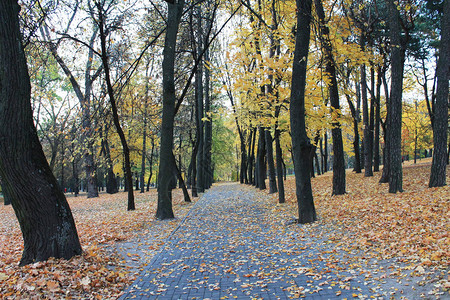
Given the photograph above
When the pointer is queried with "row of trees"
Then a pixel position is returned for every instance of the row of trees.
(360, 55)
(109, 70)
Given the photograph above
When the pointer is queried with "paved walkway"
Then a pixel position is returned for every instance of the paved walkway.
(235, 244)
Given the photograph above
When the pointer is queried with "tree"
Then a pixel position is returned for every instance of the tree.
(394, 123)
(338, 148)
(301, 146)
(41, 208)
(165, 174)
(440, 126)
(112, 101)
(84, 99)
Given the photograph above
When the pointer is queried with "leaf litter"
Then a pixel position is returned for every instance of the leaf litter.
(102, 271)
(398, 243)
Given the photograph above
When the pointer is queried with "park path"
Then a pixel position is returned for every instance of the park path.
(236, 243)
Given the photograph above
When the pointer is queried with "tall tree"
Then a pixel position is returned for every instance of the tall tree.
(440, 126)
(112, 101)
(336, 133)
(165, 174)
(301, 145)
(200, 109)
(41, 208)
(395, 102)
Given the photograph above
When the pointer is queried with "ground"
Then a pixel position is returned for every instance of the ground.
(236, 241)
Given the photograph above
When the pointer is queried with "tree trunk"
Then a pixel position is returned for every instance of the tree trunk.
(316, 160)
(243, 172)
(338, 147)
(200, 111)
(112, 101)
(180, 178)
(62, 180)
(372, 115)
(164, 210)
(209, 176)
(41, 208)
(76, 180)
(251, 155)
(386, 167)
(261, 162)
(325, 151)
(144, 150)
(395, 104)
(194, 170)
(270, 162)
(111, 181)
(279, 158)
(440, 128)
(367, 141)
(150, 162)
(376, 141)
(301, 146)
(355, 119)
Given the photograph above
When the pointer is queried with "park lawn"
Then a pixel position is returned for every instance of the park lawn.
(413, 225)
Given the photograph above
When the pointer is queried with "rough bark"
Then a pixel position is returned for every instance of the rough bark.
(164, 209)
(440, 126)
(395, 105)
(44, 216)
(301, 146)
